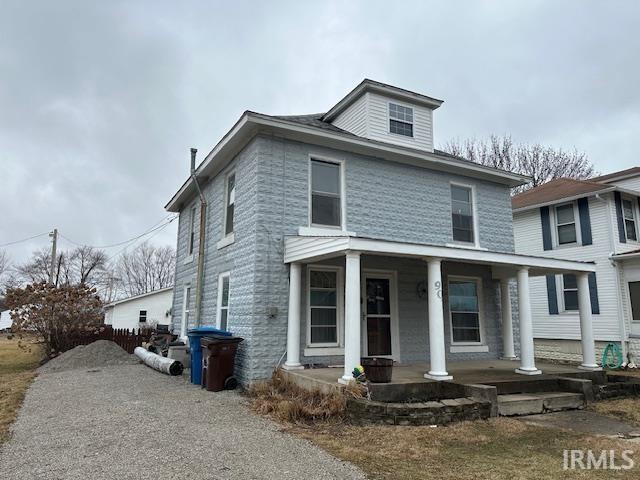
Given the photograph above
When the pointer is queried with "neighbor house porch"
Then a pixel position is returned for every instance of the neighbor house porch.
(351, 297)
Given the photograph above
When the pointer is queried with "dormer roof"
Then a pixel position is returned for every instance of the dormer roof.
(390, 91)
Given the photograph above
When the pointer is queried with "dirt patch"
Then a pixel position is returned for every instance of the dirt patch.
(102, 353)
(626, 409)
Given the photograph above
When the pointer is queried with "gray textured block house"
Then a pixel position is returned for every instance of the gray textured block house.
(333, 236)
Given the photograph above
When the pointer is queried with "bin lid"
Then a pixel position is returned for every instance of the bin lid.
(209, 339)
(207, 330)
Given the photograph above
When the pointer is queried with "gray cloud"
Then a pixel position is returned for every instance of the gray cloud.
(100, 101)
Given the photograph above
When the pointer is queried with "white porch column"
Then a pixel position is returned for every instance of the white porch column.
(508, 351)
(438, 364)
(586, 326)
(352, 316)
(293, 326)
(527, 360)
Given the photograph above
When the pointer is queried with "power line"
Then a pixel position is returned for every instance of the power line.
(155, 226)
(157, 230)
(23, 240)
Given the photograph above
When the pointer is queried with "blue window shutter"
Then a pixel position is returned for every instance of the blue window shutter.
(621, 235)
(585, 221)
(552, 294)
(546, 228)
(593, 294)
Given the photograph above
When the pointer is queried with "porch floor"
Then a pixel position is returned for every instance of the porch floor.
(469, 372)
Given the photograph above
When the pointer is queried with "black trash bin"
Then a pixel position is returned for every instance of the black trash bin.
(377, 369)
(219, 357)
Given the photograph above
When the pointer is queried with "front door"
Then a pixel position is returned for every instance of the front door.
(380, 322)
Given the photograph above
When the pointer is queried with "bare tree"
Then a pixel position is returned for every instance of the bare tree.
(82, 265)
(145, 268)
(5, 263)
(541, 163)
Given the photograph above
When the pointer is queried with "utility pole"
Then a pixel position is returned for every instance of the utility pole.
(54, 244)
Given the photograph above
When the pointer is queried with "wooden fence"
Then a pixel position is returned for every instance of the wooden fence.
(127, 339)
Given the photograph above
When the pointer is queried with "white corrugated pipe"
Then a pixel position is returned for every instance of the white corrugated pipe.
(157, 362)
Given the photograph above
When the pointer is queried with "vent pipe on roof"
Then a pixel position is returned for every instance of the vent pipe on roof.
(193, 160)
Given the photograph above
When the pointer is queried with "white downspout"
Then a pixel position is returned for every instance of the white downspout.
(612, 246)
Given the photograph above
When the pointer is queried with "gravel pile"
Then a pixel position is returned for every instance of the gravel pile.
(101, 353)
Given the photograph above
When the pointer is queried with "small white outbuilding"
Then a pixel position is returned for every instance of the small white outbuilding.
(5, 320)
(147, 309)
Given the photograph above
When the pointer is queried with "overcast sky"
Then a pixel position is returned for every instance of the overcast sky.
(101, 100)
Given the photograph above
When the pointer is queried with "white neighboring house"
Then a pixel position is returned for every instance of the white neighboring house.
(588, 220)
(153, 308)
(5, 320)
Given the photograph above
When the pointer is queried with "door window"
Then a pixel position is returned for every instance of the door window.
(378, 305)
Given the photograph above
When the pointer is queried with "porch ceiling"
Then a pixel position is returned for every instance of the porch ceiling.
(310, 248)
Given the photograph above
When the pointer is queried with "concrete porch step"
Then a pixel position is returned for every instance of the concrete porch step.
(534, 403)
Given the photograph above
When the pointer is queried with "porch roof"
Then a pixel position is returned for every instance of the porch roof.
(314, 248)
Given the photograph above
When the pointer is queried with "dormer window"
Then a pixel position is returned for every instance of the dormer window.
(400, 120)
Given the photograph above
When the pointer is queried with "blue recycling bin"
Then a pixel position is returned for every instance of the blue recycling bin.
(195, 334)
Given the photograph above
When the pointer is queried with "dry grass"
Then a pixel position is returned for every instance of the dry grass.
(497, 449)
(284, 400)
(18, 360)
(627, 409)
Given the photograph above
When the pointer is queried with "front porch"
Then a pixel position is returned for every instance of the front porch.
(350, 319)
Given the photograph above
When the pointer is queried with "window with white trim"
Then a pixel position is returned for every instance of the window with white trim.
(142, 316)
(223, 301)
(628, 212)
(323, 294)
(230, 200)
(192, 230)
(326, 193)
(566, 224)
(400, 120)
(464, 310)
(570, 292)
(462, 213)
(186, 310)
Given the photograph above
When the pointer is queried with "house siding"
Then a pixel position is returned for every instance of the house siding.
(384, 200)
(238, 258)
(402, 211)
(528, 241)
(354, 119)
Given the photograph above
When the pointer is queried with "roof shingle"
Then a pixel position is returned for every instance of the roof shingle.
(556, 190)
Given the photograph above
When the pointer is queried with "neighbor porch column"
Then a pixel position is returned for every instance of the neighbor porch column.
(352, 316)
(586, 324)
(508, 351)
(293, 328)
(438, 364)
(527, 360)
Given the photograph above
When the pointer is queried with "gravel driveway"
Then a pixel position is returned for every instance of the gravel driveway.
(132, 422)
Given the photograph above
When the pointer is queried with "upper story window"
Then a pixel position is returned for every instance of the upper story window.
(192, 230)
(401, 120)
(326, 193)
(142, 316)
(230, 200)
(629, 220)
(566, 224)
(462, 213)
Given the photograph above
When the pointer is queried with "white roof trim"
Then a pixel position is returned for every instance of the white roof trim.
(304, 249)
(136, 297)
(618, 178)
(618, 257)
(252, 123)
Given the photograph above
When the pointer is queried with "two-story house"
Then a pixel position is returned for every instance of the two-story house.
(328, 237)
(594, 220)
